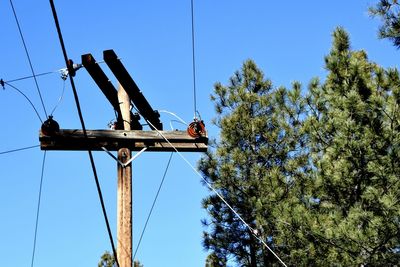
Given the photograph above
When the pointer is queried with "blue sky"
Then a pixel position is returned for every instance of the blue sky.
(287, 39)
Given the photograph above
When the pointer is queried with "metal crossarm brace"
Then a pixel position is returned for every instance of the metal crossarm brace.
(124, 165)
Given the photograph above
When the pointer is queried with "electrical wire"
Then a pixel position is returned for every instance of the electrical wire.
(38, 208)
(27, 98)
(253, 231)
(193, 61)
(29, 58)
(59, 100)
(18, 149)
(173, 114)
(63, 72)
(64, 51)
(154, 203)
(30, 76)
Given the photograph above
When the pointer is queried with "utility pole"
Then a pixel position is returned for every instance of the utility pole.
(127, 137)
(124, 193)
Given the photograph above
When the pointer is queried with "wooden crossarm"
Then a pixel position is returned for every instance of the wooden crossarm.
(113, 140)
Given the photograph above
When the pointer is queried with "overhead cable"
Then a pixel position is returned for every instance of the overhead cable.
(209, 185)
(30, 76)
(193, 60)
(59, 100)
(38, 208)
(29, 58)
(18, 149)
(64, 51)
(27, 98)
(154, 203)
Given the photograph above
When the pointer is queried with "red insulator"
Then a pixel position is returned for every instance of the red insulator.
(50, 126)
(196, 129)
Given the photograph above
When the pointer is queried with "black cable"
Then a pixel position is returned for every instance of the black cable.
(27, 98)
(18, 149)
(38, 208)
(31, 76)
(152, 206)
(29, 58)
(59, 100)
(53, 9)
(193, 62)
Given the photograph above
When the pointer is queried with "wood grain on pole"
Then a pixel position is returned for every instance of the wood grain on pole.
(124, 199)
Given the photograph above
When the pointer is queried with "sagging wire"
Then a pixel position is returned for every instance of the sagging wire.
(179, 119)
(26, 97)
(60, 99)
(29, 58)
(38, 208)
(154, 203)
(254, 232)
(173, 114)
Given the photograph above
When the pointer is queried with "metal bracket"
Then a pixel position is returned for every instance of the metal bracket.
(124, 165)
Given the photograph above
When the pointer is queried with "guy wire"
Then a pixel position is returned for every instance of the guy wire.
(209, 185)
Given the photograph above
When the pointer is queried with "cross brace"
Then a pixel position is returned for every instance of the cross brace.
(113, 140)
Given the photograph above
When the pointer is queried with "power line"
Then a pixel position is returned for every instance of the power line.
(38, 208)
(31, 76)
(59, 100)
(63, 72)
(29, 58)
(193, 61)
(57, 24)
(152, 206)
(27, 98)
(18, 149)
(253, 231)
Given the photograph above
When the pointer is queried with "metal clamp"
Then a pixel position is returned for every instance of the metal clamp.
(124, 165)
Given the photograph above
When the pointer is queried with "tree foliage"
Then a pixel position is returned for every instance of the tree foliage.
(389, 12)
(317, 176)
(354, 138)
(107, 260)
(254, 167)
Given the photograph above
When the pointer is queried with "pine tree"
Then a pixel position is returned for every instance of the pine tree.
(317, 177)
(389, 12)
(254, 166)
(107, 260)
(353, 216)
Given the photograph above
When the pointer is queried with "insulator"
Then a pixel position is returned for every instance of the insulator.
(70, 67)
(50, 126)
(196, 129)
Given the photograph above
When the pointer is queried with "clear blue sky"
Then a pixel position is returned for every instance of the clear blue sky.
(287, 39)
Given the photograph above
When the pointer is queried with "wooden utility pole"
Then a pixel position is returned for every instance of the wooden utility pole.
(129, 137)
(124, 203)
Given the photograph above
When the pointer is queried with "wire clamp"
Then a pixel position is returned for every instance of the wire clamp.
(124, 165)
